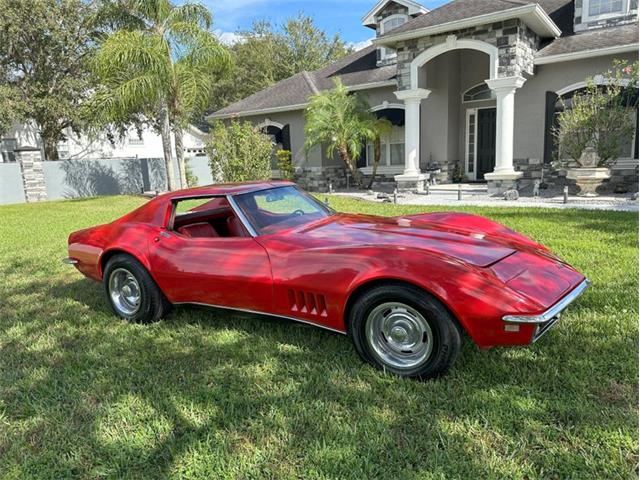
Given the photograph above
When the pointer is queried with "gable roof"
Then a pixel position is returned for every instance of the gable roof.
(460, 14)
(414, 8)
(591, 43)
(357, 71)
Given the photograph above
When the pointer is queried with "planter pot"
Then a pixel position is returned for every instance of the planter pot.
(588, 179)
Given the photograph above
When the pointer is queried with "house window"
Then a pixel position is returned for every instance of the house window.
(136, 140)
(601, 9)
(471, 141)
(479, 92)
(388, 24)
(628, 150)
(7, 147)
(392, 149)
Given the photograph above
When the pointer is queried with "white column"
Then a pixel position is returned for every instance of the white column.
(412, 99)
(505, 89)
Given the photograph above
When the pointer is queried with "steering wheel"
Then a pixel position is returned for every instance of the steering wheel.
(298, 213)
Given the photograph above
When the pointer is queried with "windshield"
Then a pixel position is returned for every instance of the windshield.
(276, 209)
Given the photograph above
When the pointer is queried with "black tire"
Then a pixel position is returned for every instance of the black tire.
(152, 304)
(439, 343)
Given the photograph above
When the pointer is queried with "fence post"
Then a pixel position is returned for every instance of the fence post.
(459, 192)
(30, 160)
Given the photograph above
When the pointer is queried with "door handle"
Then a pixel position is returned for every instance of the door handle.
(162, 234)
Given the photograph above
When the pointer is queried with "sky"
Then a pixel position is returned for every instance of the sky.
(333, 16)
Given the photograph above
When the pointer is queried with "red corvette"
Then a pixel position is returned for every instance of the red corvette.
(404, 288)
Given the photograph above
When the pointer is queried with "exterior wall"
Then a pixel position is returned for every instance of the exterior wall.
(89, 178)
(530, 118)
(530, 99)
(11, 188)
(315, 169)
(580, 23)
(516, 43)
(392, 8)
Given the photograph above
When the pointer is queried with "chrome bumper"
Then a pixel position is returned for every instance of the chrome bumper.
(69, 261)
(548, 319)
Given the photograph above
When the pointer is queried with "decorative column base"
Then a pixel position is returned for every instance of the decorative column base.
(498, 183)
(411, 182)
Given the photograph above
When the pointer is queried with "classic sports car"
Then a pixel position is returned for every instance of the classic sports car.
(404, 289)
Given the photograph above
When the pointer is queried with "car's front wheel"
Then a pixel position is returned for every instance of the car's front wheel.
(404, 330)
(131, 292)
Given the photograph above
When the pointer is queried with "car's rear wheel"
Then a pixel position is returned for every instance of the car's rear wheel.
(131, 292)
(404, 330)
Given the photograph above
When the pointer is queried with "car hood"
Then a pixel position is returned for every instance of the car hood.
(467, 238)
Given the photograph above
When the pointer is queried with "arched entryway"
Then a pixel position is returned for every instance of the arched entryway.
(392, 155)
(422, 88)
(280, 136)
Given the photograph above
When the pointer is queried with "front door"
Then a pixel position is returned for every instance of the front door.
(486, 153)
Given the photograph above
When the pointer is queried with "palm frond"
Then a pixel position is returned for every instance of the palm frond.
(191, 12)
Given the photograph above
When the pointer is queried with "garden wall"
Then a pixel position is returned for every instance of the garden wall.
(91, 178)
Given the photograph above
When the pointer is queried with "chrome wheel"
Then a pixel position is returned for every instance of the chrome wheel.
(124, 291)
(399, 335)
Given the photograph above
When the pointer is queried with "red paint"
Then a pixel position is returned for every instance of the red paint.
(479, 269)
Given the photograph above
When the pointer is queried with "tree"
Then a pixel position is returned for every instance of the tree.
(160, 62)
(45, 49)
(303, 46)
(599, 116)
(268, 53)
(378, 127)
(344, 123)
(239, 153)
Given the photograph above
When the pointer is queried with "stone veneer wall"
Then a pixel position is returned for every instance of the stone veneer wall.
(580, 25)
(392, 8)
(318, 179)
(623, 178)
(516, 43)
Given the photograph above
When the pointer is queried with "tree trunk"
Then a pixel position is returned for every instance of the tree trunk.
(351, 165)
(180, 156)
(50, 147)
(377, 152)
(166, 146)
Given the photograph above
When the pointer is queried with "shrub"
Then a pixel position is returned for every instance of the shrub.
(192, 179)
(599, 117)
(285, 165)
(238, 152)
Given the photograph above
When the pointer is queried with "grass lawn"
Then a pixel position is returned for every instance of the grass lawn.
(210, 394)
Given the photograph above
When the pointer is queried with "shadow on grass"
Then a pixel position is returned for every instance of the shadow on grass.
(209, 392)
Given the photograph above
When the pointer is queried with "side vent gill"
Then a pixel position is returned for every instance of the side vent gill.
(308, 303)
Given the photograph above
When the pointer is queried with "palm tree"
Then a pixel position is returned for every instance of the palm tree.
(343, 122)
(161, 61)
(377, 128)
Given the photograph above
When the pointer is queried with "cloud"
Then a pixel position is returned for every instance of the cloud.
(228, 38)
(359, 45)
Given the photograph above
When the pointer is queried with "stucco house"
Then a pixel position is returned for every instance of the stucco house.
(471, 87)
(146, 143)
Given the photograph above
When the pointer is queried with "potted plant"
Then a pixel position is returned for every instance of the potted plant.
(593, 126)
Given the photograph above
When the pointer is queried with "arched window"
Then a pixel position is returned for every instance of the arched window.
(478, 92)
(559, 103)
(388, 24)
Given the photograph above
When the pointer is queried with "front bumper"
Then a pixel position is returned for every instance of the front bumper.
(546, 320)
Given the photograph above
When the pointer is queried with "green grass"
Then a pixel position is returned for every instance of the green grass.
(208, 394)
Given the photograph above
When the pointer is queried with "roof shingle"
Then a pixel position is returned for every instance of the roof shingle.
(592, 40)
(354, 70)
